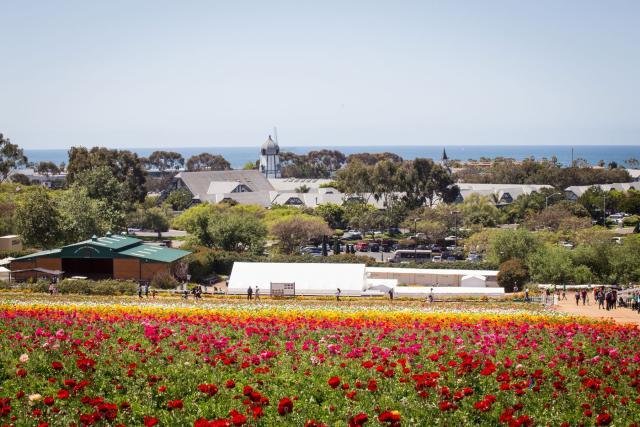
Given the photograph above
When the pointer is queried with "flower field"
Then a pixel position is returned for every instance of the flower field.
(76, 363)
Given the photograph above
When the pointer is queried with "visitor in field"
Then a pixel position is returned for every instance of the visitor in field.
(600, 298)
(139, 290)
(577, 297)
(249, 293)
(153, 293)
(584, 296)
(526, 295)
(338, 292)
(391, 294)
(257, 293)
(146, 290)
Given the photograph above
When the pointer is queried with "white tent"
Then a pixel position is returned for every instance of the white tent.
(4, 274)
(473, 281)
(309, 278)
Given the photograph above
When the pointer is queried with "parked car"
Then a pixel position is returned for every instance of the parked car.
(311, 250)
(374, 247)
(352, 235)
(437, 258)
(474, 258)
(362, 246)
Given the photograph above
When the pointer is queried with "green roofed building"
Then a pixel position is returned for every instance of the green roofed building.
(112, 256)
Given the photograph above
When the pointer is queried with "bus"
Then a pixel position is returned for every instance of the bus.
(408, 255)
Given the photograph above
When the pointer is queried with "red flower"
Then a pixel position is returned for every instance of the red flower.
(174, 404)
(150, 421)
(334, 382)
(603, 419)
(358, 420)
(389, 417)
(285, 406)
(48, 401)
(57, 366)
(209, 389)
(21, 373)
(230, 384)
(237, 419)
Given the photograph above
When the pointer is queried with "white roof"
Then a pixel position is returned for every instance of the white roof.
(436, 271)
(6, 261)
(310, 278)
(579, 190)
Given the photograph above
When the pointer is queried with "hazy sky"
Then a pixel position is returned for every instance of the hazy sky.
(223, 73)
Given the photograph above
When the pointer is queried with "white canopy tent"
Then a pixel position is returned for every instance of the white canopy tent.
(425, 291)
(316, 279)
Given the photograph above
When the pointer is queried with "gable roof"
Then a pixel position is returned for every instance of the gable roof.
(199, 183)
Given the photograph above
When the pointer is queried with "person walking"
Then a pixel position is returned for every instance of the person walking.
(139, 290)
(584, 296)
(257, 293)
(250, 293)
(526, 295)
(338, 292)
(600, 298)
(577, 297)
(391, 294)
(146, 290)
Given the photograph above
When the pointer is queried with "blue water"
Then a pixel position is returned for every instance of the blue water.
(238, 156)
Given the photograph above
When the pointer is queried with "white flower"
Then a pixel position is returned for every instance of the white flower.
(34, 398)
(24, 358)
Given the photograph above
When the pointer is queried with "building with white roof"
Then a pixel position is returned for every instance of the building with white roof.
(323, 279)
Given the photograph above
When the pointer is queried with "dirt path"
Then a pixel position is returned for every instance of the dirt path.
(620, 315)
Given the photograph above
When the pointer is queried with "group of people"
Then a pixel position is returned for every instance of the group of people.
(144, 288)
(251, 293)
(607, 298)
(196, 291)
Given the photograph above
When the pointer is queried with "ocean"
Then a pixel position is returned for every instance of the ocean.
(238, 156)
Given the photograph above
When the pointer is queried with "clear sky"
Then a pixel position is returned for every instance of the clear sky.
(223, 73)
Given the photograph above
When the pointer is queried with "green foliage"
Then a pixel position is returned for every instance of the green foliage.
(11, 157)
(80, 216)
(508, 244)
(250, 166)
(551, 265)
(100, 287)
(512, 273)
(479, 210)
(164, 281)
(37, 220)
(156, 219)
(124, 166)
(332, 213)
(165, 161)
(232, 231)
(548, 172)
(294, 231)
(207, 161)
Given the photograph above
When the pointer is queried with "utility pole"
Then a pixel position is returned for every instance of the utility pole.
(415, 235)
(604, 210)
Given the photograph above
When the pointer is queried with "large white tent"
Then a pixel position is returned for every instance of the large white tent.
(309, 278)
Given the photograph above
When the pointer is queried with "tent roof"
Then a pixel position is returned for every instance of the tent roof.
(310, 278)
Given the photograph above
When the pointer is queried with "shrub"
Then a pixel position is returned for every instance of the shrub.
(100, 287)
(164, 281)
(512, 273)
(631, 221)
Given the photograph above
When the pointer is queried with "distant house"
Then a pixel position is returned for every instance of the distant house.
(574, 192)
(49, 181)
(10, 243)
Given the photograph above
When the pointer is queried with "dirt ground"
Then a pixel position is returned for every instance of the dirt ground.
(619, 315)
